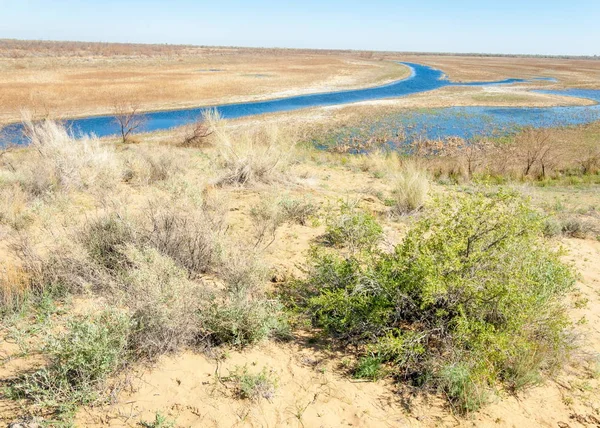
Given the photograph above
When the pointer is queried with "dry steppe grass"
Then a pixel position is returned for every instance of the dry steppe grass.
(72, 79)
(570, 72)
(68, 80)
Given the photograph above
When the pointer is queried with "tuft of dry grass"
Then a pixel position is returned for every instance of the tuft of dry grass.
(252, 156)
(62, 161)
(15, 286)
(191, 239)
(379, 162)
(411, 188)
(143, 166)
(162, 300)
(14, 211)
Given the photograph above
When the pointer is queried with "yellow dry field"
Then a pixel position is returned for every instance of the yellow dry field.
(67, 86)
(580, 73)
(70, 79)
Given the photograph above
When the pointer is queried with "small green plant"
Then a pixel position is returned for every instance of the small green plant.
(160, 421)
(370, 368)
(81, 360)
(254, 386)
(350, 227)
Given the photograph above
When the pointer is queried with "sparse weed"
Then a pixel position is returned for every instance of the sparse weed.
(160, 421)
(254, 386)
(298, 211)
(81, 360)
(267, 216)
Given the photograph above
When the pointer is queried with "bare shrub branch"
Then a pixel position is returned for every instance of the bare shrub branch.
(129, 119)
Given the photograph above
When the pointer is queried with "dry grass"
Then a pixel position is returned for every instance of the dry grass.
(571, 72)
(62, 161)
(15, 286)
(411, 188)
(252, 156)
(68, 81)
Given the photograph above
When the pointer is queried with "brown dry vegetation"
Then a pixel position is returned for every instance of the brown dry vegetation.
(70, 80)
(205, 220)
(570, 72)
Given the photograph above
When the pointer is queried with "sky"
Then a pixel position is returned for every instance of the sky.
(556, 27)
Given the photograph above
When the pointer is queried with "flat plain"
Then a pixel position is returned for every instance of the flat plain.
(60, 80)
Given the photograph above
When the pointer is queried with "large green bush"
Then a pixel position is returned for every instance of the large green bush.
(471, 299)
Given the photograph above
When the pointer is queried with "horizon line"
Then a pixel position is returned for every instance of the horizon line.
(436, 53)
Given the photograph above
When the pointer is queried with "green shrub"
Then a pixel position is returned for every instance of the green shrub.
(473, 288)
(352, 228)
(81, 359)
(104, 238)
(297, 210)
(162, 300)
(239, 320)
(369, 367)
(254, 386)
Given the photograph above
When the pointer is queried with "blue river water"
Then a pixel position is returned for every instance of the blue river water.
(434, 123)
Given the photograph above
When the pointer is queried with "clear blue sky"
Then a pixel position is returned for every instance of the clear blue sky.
(498, 26)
